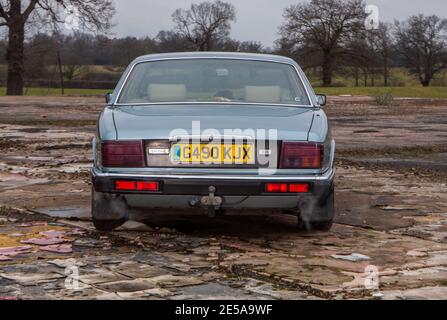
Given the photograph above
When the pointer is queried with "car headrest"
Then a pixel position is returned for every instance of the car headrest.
(269, 94)
(167, 92)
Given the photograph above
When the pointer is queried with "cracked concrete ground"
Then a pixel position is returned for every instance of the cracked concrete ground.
(389, 242)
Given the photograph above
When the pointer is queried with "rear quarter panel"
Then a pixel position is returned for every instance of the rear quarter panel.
(320, 132)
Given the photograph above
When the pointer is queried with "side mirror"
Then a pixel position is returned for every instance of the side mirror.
(108, 97)
(321, 99)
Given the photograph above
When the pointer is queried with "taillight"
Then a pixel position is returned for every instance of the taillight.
(287, 188)
(122, 154)
(276, 187)
(299, 155)
(299, 187)
(124, 185)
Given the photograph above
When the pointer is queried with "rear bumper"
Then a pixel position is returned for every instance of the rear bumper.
(178, 191)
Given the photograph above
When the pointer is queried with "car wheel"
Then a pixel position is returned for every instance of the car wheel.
(107, 225)
(108, 211)
(315, 226)
(319, 216)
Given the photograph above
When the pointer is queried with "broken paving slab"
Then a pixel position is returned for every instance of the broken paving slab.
(58, 248)
(141, 284)
(173, 281)
(215, 290)
(417, 253)
(422, 293)
(87, 293)
(82, 213)
(398, 208)
(353, 257)
(27, 279)
(53, 233)
(4, 258)
(64, 263)
(14, 251)
(100, 276)
(33, 224)
(83, 225)
(133, 285)
(44, 241)
(10, 181)
(134, 270)
(267, 289)
(156, 293)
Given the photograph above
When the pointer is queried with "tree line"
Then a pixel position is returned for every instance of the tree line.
(324, 36)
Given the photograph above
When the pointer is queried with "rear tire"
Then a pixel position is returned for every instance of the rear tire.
(314, 226)
(319, 216)
(107, 225)
(108, 211)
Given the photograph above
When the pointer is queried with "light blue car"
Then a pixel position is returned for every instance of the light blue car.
(213, 131)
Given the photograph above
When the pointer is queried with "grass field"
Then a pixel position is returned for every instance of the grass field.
(410, 92)
(57, 91)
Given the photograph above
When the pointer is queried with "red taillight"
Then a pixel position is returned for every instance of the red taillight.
(122, 154)
(299, 155)
(299, 188)
(147, 186)
(276, 187)
(287, 187)
(123, 185)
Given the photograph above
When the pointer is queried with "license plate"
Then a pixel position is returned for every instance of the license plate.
(213, 153)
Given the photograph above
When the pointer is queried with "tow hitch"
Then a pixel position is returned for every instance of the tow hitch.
(211, 202)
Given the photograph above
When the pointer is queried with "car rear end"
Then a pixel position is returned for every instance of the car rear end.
(140, 175)
(145, 164)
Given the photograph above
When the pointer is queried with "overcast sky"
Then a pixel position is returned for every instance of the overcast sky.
(257, 20)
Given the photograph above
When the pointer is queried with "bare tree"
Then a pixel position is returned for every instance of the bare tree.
(16, 14)
(370, 51)
(232, 45)
(204, 23)
(170, 41)
(325, 26)
(422, 42)
(251, 46)
(384, 47)
(362, 57)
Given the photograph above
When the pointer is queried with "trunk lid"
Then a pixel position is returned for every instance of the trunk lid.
(157, 122)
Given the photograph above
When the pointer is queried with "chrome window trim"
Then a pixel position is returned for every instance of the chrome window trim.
(210, 137)
(118, 96)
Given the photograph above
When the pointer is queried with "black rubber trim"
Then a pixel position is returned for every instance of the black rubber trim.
(201, 187)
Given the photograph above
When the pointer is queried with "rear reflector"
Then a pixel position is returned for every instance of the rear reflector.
(122, 185)
(125, 185)
(299, 155)
(122, 154)
(276, 187)
(287, 187)
(299, 188)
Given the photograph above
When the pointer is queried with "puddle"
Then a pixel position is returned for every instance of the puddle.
(67, 212)
(33, 130)
(15, 180)
(26, 158)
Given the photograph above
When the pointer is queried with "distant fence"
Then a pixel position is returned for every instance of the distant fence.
(73, 84)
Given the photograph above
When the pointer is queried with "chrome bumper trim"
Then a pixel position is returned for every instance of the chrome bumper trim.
(327, 176)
